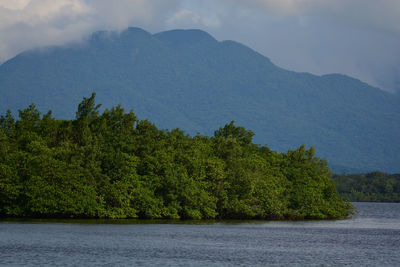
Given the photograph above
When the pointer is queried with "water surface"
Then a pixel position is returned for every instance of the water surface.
(371, 238)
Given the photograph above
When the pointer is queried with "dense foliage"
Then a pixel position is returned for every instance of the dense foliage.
(374, 187)
(115, 166)
(187, 79)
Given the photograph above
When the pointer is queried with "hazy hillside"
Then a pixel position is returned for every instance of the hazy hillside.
(187, 79)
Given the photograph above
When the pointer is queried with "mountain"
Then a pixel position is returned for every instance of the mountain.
(187, 79)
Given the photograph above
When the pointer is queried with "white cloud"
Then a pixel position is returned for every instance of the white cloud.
(189, 19)
(14, 4)
(35, 12)
(26, 24)
(119, 14)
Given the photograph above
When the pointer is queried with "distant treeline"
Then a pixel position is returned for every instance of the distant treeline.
(374, 187)
(112, 165)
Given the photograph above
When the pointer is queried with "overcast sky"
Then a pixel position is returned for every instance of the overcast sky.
(360, 38)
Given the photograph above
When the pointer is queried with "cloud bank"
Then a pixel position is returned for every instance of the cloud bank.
(26, 24)
(355, 37)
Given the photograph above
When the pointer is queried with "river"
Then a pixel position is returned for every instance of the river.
(371, 238)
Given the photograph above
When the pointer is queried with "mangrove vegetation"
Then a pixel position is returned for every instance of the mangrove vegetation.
(370, 187)
(111, 165)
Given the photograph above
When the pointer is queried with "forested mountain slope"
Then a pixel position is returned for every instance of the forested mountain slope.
(187, 79)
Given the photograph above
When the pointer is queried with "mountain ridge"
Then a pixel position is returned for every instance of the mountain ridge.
(188, 79)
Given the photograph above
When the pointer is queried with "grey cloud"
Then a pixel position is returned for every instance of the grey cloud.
(26, 24)
(355, 37)
(359, 38)
(40, 22)
(381, 15)
(119, 14)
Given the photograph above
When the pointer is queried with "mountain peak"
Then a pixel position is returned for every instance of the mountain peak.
(102, 35)
(185, 37)
(136, 31)
(129, 33)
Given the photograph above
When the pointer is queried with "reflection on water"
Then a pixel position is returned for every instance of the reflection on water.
(371, 237)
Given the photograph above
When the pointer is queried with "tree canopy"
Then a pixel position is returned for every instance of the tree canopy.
(370, 187)
(112, 165)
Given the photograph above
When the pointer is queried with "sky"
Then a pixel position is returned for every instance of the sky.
(359, 38)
